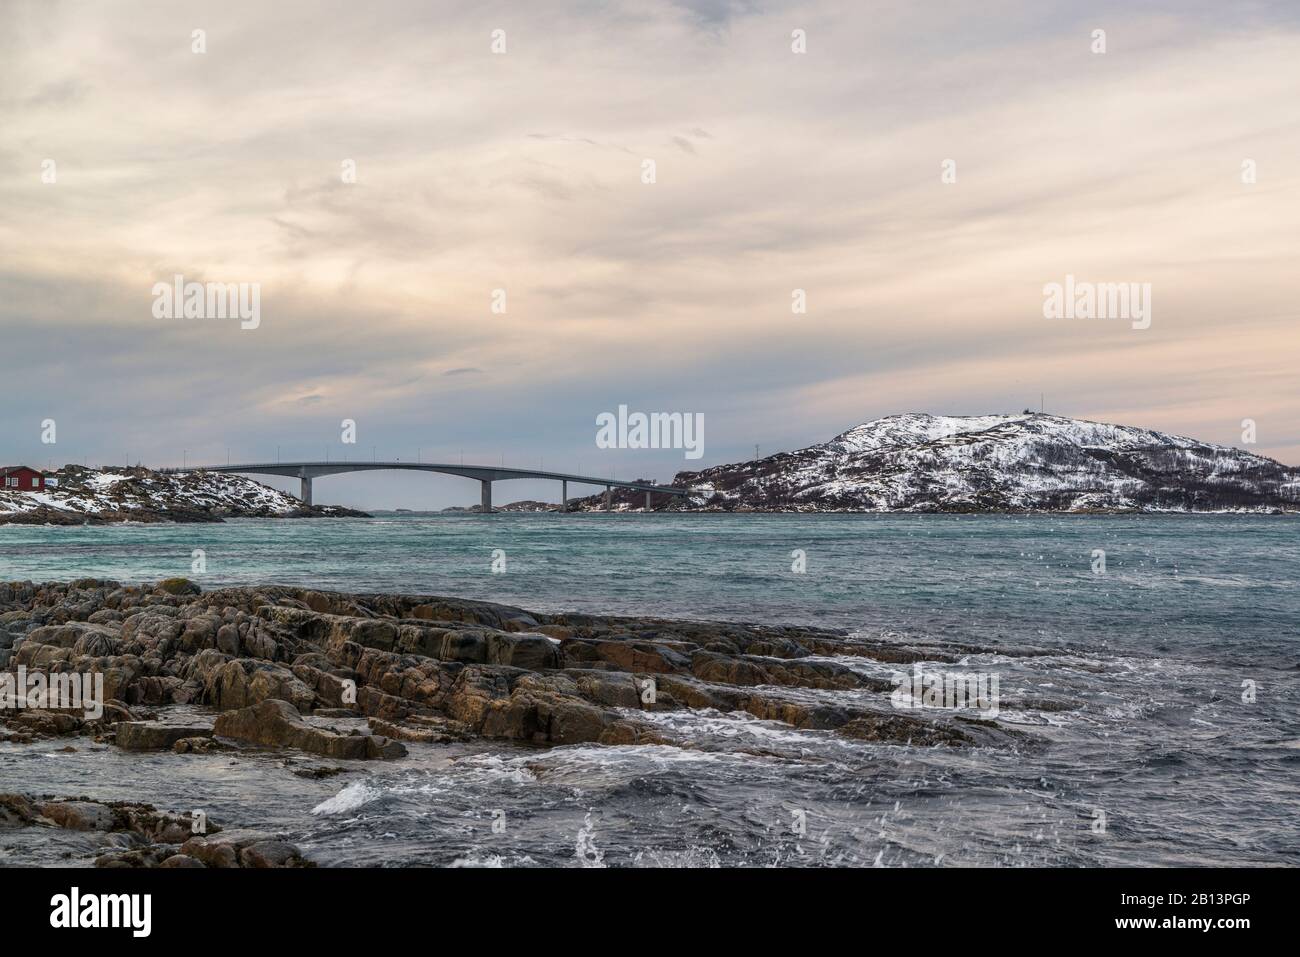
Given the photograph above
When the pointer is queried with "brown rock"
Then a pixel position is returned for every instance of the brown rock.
(79, 815)
(523, 650)
(16, 811)
(150, 736)
(199, 745)
(211, 853)
(275, 723)
(179, 586)
(270, 854)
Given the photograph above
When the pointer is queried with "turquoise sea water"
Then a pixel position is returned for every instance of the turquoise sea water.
(1156, 651)
(1218, 582)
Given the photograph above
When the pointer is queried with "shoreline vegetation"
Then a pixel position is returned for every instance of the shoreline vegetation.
(357, 678)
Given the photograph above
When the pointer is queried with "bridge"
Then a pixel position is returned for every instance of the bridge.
(485, 474)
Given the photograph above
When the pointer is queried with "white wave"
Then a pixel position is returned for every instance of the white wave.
(586, 851)
(490, 766)
(693, 857)
(493, 861)
(355, 795)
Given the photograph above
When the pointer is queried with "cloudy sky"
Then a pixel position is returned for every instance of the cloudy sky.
(523, 171)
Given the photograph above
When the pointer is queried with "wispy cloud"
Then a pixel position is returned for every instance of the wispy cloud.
(523, 172)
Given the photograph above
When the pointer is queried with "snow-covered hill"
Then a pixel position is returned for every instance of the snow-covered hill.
(142, 495)
(921, 462)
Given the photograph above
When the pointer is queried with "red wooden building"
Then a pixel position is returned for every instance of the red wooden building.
(20, 477)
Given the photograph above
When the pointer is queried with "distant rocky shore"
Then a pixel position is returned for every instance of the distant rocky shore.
(88, 496)
(1010, 463)
(361, 678)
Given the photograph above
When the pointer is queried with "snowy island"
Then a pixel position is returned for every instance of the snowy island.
(75, 495)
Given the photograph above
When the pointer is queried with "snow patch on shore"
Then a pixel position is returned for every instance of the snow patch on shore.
(92, 492)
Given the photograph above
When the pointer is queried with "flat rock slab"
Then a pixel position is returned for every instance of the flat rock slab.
(154, 736)
(278, 724)
(79, 815)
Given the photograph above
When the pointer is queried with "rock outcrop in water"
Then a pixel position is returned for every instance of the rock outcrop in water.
(133, 834)
(425, 668)
(100, 496)
(990, 463)
(287, 668)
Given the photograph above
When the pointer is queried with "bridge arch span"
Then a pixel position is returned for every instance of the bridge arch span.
(305, 472)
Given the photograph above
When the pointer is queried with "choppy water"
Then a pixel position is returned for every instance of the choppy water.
(1156, 650)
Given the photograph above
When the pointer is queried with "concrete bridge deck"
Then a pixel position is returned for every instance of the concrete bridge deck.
(484, 474)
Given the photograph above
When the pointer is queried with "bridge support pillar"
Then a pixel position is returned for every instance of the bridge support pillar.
(564, 495)
(609, 498)
(647, 501)
(487, 496)
(306, 489)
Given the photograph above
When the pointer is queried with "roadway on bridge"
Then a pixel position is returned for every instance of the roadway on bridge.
(484, 474)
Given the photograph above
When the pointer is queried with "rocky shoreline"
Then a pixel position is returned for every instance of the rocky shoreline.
(88, 496)
(49, 516)
(365, 677)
